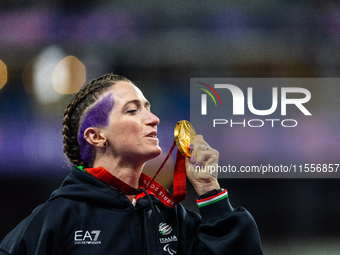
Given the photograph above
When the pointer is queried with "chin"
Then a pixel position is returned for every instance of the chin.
(155, 153)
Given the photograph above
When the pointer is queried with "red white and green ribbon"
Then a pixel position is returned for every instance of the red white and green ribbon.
(212, 199)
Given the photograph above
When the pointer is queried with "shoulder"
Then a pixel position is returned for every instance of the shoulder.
(44, 222)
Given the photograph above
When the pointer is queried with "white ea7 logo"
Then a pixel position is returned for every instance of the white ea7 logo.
(238, 100)
(81, 235)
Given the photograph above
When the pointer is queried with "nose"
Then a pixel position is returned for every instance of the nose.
(152, 119)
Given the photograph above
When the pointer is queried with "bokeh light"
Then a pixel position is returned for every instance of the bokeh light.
(69, 75)
(42, 74)
(3, 74)
(27, 76)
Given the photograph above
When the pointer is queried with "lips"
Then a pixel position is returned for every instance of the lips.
(152, 134)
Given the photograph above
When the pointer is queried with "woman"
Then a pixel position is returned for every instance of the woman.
(109, 134)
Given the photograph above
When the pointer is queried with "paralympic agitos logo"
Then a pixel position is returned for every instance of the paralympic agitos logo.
(238, 104)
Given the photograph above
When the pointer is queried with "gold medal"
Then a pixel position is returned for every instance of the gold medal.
(184, 131)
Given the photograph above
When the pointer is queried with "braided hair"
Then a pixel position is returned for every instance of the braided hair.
(75, 111)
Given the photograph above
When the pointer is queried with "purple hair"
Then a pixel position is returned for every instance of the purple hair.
(96, 116)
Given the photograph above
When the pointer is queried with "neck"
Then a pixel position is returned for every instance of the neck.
(127, 173)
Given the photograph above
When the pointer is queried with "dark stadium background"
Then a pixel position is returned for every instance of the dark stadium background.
(161, 45)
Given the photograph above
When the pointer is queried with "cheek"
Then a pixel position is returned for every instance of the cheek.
(133, 129)
(126, 130)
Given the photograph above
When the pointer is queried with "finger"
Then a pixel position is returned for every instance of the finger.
(190, 169)
(204, 152)
(203, 157)
(197, 144)
(187, 166)
(193, 147)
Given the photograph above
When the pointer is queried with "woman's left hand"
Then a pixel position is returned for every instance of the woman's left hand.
(201, 167)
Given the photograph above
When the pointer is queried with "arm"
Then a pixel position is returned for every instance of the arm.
(223, 229)
(33, 235)
(228, 230)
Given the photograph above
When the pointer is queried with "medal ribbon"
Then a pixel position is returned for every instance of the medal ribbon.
(179, 182)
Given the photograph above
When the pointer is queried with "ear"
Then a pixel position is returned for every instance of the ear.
(94, 136)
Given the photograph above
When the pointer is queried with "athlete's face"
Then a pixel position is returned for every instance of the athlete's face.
(132, 130)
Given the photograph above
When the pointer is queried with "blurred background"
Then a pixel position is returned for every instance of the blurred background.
(49, 49)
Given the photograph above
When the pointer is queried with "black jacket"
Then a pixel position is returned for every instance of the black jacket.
(86, 216)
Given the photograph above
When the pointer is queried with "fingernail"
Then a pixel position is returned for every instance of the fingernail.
(192, 158)
(195, 165)
(191, 145)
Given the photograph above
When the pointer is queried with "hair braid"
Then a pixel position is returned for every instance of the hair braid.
(75, 110)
